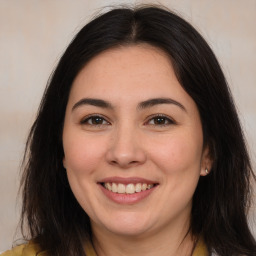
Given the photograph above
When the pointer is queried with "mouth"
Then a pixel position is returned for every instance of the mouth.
(130, 188)
(129, 191)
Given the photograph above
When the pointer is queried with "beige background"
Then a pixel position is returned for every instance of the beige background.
(34, 33)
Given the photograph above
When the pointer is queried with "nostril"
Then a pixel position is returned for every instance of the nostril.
(125, 157)
(124, 164)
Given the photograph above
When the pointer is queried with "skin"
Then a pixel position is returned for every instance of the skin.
(129, 141)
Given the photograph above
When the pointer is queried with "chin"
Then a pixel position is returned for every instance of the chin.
(128, 230)
(128, 224)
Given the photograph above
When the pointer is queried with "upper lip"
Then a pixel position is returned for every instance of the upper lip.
(127, 180)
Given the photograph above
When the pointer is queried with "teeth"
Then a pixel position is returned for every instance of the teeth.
(138, 187)
(108, 186)
(144, 186)
(121, 188)
(127, 189)
(114, 187)
(130, 189)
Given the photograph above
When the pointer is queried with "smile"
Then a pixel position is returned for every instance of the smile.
(121, 188)
(130, 190)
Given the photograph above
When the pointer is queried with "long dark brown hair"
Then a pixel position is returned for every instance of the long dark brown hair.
(54, 218)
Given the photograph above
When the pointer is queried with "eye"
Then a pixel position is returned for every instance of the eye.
(95, 120)
(160, 120)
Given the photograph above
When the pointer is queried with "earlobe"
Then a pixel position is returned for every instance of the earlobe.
(204, 172)
(206, 162)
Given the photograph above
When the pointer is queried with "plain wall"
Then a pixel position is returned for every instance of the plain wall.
(33, 35)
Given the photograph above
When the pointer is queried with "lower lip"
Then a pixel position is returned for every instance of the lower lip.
(127, 198)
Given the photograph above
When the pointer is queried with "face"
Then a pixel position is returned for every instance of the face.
(133, 143)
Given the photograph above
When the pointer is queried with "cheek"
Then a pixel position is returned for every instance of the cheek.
(179, 153)
(82, 158)
(82, 154)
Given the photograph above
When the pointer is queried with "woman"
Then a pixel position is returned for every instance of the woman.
(137, 148)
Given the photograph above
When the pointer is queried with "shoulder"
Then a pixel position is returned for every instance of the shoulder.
(29, 249)
(200, 249)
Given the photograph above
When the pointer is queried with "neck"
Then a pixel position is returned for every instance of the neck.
(164, 242)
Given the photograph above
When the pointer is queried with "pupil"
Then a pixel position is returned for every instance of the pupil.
(97, 120)
(159, 120)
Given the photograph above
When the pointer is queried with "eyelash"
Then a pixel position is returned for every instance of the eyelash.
(89, 120)
(167, 120)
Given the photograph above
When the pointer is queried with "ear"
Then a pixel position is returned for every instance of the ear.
(206, 162)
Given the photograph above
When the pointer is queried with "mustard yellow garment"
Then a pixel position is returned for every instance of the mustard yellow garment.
(31, 249)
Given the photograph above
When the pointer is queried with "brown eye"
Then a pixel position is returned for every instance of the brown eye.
(160, 121)
(95, 120)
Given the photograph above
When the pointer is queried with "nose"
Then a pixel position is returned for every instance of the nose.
(126, 149)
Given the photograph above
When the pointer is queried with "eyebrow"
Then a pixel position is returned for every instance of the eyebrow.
(142, 105)
(94, 102)
(157, 101)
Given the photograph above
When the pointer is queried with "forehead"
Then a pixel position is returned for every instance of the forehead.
(127, 61)
(129, 72)
(132, 54)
